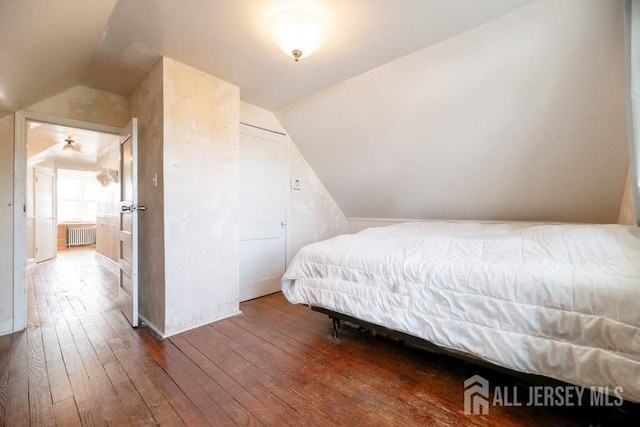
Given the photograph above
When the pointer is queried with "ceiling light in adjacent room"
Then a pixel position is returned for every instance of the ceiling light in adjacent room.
(298, 32)
(70, 146)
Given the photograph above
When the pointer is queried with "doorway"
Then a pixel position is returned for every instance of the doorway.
(23, 217)
(72, 191)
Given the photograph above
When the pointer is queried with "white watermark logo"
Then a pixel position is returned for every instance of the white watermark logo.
(477, 394)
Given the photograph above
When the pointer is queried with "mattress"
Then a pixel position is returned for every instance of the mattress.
(559, 300)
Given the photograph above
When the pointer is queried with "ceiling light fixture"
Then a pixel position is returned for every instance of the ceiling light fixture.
(298, 32)
(69, 145)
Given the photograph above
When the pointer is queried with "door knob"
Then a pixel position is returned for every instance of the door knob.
(133, 208)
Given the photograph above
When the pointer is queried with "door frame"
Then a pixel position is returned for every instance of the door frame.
(20, 200)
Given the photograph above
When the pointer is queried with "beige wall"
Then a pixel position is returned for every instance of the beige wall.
(6, 223)
(633, 70)
(147, 105)
(522, 118)
(88, 105)
(312, 214)
(201, 166)
(627, 207)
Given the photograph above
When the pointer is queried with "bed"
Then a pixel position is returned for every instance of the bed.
(557, 300)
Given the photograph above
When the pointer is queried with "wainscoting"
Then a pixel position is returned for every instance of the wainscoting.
(356, 224)
(107, 240)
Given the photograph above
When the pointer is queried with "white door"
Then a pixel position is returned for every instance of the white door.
(128, 235)
(263, 207)
(45, 231)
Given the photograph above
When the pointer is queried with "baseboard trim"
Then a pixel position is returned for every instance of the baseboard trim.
(154, 328)
(206, 322)
(107, 262)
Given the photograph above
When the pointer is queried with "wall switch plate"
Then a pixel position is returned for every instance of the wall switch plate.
(295, 185)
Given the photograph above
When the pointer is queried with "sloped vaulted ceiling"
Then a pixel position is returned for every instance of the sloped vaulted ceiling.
(45, 46)
(492, 109)
(48, 46)
(522, 118)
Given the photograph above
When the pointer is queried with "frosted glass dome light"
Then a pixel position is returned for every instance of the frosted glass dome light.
(298, 33)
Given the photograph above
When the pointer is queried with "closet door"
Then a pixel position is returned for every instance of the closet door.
(263, 207)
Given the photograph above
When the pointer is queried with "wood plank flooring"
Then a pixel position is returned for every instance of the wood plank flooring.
(79, 363)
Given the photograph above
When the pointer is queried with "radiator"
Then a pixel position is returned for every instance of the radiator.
(81, 236)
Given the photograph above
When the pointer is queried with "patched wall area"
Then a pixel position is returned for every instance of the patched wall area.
(147, 106)
(201, 169)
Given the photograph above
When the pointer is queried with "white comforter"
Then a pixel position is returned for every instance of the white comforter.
(556, 300)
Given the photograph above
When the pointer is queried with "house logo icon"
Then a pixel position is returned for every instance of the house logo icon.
(476, 396)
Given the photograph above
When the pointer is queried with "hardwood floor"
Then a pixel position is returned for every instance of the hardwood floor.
(79, 363)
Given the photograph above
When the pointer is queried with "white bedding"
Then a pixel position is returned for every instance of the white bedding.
(556, 300)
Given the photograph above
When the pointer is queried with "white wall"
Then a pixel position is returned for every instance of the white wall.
(108, 203)
(521, 118)
(312, 214)
(201, 169)
(31, 215)
(633, 70)
(6, 223)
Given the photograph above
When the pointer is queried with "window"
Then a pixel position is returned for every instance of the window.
(77, 195)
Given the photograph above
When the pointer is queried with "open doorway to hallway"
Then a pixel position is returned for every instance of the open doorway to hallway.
(72, 192)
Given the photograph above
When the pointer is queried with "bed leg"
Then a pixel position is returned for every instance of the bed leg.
(336, 328)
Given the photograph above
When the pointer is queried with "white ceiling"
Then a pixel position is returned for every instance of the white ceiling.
(46, 46)
(45, 144)
(49, 45)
